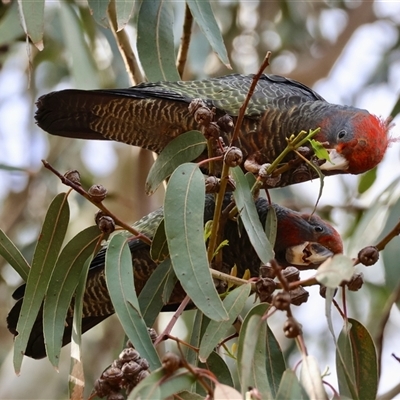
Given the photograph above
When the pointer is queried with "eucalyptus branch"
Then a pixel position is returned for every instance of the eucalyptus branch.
(79, 189)
(185, 41)
(253, 85)
(125, 48)
(173, 320)
(212, 244)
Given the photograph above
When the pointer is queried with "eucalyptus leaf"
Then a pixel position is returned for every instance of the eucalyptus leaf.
(155, 40)
(184, 219)
(183, 148)
(32, 20)
(46, 252)
(13, 256)
(333, 271)
(204, 17)
(64, 280)
(249, 217)
(120, 284)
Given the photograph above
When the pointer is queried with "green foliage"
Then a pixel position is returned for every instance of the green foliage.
(58, 272)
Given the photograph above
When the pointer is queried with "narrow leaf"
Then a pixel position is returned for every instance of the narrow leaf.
(83, 67)
(64, 280)
(311, 378)
(271, 226)
(10, 28)
(151, 296)
(159, 246)
(13, 256)
(345, 365)
(216, 331)
(159, 386)
(45, 256)
(183, 148)
(363, 367)
(367, 180)
(32, 20)
(332, 272)
(249, 217)
(218, 367)
(290, 388)
(183, 214)
(252, 352)
(155, 40)
(98, 8)
(319, 150)
(120, 284)
(76, 374)
(204, 17)
(124, 11)
(223, 392)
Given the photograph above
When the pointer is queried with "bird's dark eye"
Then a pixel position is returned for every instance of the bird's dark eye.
(341, 134)
(318, 229)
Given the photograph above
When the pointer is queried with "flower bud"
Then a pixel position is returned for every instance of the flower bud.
(98, 193)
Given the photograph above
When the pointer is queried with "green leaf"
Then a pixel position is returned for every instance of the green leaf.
(311, 379)
(11, 168)
(45, 256)
(76, 375)
(155, 40)
(159, 246)
(159, 386)
(198, 327)
(63, 282)
(83, 67)
(356, 362)
(249, 216)
(216, 331)
(274, 360)
(367, 180)
(10, 28)
(13, 256)
(252, 352)
(204, 17)
(119, 278)
(183, 148)
(271, 226)
(290, 387)
(123, 10)
(98, 8)
(319, 150)
(218, 367)
(396, 108)
(184, 219)
(151, 296)
(32, 20)
(185, 395)
(332, 272)
(223, 392)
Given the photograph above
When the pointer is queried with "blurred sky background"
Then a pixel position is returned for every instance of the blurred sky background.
(23, 145)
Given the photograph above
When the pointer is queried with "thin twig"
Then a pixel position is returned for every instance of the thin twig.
(173, 320)
(125, 48)
(243, 108)
(212, 244)
(185, 41)
(79, 189)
